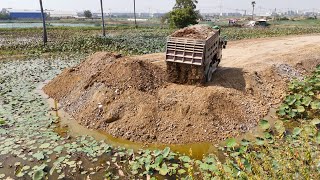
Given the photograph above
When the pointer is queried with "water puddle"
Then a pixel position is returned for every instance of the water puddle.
(70, 127)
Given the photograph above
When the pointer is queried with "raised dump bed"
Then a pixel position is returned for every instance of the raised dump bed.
(192, 51)
(198, 46)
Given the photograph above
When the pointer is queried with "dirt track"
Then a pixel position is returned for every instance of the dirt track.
(253, 76)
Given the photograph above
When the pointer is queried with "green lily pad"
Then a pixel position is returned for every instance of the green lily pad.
(301, 109)
(231, 143)
(156, 152)
(267, 135)
(25, 168)
(2, 122)
(181, 171)
(306, 100)
(38, 175)
(282, 112)
(290, 100)
(245, 142)
(259, 141)
(20, 174)
(204, 166)
(166, 152)
(296, 131)
(185, 159)
(159, 160)
(164, 169)
(264, 124)
(315, 105)
(39, 156)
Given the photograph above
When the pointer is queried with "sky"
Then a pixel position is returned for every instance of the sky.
(153, 6)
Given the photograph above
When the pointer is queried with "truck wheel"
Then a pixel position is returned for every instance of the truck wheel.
(210, 69)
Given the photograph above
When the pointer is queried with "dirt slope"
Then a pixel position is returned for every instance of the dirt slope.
(138, 104)
(195, 32)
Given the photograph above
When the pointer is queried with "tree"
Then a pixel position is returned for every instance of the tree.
(185, 4)
(184, 13)
(4, 16)
(45, 36)
(253, 3)
(87, 14)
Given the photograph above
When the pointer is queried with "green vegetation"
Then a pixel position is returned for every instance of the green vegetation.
(4, 16)
(285, 149)
(122, 38)
(233, 33)
(64, 40)
(87, 14)
(28, 137)
(183, 14)
(303, 101)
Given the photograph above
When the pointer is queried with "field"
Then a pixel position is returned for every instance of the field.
(258, 118)
(125, 39)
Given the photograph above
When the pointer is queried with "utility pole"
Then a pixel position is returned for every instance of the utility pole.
(134, 10)
(45, 36)
(253, 3)
(102, 15)
(110, 13)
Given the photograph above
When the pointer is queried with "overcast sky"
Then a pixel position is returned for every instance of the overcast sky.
(161, 5)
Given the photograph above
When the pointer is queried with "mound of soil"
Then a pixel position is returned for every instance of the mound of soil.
(130, 98)
(195, 32)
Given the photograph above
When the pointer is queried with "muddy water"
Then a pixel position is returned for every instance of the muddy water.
(70, 127)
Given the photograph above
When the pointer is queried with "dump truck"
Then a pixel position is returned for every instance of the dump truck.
(193, 59)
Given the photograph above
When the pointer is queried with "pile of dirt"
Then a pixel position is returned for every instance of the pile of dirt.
(195, 32)
(130, 98)
(110, 69)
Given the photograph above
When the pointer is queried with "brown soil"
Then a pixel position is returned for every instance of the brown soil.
(138, 104)
(195, 32)
(185, 74)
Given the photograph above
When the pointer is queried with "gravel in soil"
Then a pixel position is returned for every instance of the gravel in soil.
(195, 32)
(129, 97)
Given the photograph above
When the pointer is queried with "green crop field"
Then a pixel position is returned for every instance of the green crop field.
(126, 39)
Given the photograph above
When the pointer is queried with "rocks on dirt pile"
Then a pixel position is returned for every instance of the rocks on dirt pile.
(195, 32)
(129, 98)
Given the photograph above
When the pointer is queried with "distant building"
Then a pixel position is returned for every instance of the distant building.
(25, 15)
(63, 14)
(22, 14)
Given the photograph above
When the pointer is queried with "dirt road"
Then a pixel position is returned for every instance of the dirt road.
(255, 53)
(139, 105)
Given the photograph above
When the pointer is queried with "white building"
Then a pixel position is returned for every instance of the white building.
(62, 14)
